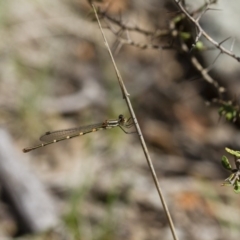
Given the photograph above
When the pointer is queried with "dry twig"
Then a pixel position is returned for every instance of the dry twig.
(145, 150)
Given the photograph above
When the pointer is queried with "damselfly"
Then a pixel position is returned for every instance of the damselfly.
(60, 135)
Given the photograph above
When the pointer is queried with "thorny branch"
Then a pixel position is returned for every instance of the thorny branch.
(172, 32)
(200, 30)
(175, 32)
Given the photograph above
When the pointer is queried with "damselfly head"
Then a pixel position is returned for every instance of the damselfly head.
(120, 117)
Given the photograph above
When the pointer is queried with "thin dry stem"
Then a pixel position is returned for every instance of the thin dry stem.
(145, 150)
(203, 71)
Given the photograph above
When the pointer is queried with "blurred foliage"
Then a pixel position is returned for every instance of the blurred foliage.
(234, 178)
(229, 111)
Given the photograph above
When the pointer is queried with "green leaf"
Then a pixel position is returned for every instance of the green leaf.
(232, 152)
(229, 111)
(226, 163)
(229, 116)
(185, 35)
(237, 187)
(200, 45)
(178, 18)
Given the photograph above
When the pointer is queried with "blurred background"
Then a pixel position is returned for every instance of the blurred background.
(55, 73)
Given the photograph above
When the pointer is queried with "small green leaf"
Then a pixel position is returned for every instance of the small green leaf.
(199, 45)
(185, 35)
(178, 18)
(237, 187)
(229, 111)
(226, 163)
(232, 152)
(229, 116)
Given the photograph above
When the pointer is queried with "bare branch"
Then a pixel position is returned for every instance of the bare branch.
(202, 32)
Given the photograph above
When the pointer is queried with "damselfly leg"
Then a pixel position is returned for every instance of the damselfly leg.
(127, 124)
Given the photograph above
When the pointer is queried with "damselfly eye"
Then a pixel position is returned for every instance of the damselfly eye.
(120, 117)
